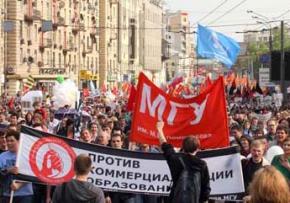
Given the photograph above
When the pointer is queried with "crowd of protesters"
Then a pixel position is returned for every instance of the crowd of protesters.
(261, 133)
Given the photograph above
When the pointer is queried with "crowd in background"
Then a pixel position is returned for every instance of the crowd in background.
(260, 131)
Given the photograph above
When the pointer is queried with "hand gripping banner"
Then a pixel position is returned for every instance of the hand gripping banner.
(203, 116)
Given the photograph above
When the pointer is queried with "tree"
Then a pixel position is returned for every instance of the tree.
(256, 49)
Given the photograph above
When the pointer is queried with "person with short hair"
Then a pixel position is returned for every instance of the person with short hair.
(94, 130)
(245, 145)
(23, 192)
(269, 186)
(118, 197)
(236, 132)
(254, 163)
(117, 141)
(13, 119)
(190, 146)
(271, 129)
(102, 138)
(85, 135)
(3, 143)
(282, 133)
(79, 190)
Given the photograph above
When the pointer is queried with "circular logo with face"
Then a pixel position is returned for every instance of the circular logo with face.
(51, 160)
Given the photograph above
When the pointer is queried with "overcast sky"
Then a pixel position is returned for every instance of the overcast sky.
(198, 9)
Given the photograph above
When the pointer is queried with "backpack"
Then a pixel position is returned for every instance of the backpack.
(188, 185)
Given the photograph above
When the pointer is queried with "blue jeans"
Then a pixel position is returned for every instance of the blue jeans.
(19, 199)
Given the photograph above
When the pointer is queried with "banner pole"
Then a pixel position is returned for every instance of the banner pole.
(11, 196)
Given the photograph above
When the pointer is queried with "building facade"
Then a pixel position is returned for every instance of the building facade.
(178, 40)
(131, 41)
(2, 44)
(107, 41)
(50, 38)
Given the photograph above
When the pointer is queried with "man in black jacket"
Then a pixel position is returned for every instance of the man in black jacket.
(190, 146)
(79, 190)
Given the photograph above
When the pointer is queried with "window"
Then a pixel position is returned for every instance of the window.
(47, 10)
(21, 55)
(59, 36)
(47, 57)
(35, 55)
(21, 29)
(53, 59)
(59, 61)
(28, 33)
(35, 33)
(88, 63)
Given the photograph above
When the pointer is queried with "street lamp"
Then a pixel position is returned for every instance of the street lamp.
(258, 15)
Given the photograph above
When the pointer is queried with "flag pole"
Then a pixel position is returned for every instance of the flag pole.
(11, 196)
(197, 62)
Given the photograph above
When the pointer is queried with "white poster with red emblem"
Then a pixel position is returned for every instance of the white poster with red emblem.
(47, 158)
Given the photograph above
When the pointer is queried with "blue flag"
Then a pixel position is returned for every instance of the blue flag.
(214, 45)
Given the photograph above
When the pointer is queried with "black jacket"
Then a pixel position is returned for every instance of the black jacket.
(192, 162)
(78, 191)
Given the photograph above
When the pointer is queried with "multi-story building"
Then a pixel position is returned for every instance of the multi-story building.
(2, 37)
(178, 37)
(112, 39)
(131, 41)
(50, 38)
(151, 40)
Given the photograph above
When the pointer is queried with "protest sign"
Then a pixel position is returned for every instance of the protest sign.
(203, 116)
(49, 158)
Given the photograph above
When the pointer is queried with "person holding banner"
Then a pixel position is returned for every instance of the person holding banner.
(254, 163)
(21, 192)
(189, 162)
(79, 190)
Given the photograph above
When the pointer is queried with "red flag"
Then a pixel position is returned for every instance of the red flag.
(11, 103)
(203, 116)
(86, 92)
(175, 81)
(115, 90)
(131, 100)
(205, 85)
(104, 88)
(126, 87)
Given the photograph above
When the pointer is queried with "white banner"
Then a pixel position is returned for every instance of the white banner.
(49, 158)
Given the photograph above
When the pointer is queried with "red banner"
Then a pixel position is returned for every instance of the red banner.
(203, 116)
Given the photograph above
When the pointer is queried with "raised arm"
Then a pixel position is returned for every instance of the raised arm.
(159, 127)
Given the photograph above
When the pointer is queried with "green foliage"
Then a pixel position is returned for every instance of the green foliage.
(256, 49)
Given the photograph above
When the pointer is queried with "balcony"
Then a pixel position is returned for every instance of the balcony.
(69, 47)
(93, 32)
(61, 4)
(28, 18)
(82, 27)
(36, 15)
(47, 43)
(60, 21)
(87, 50)
(78, 27)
